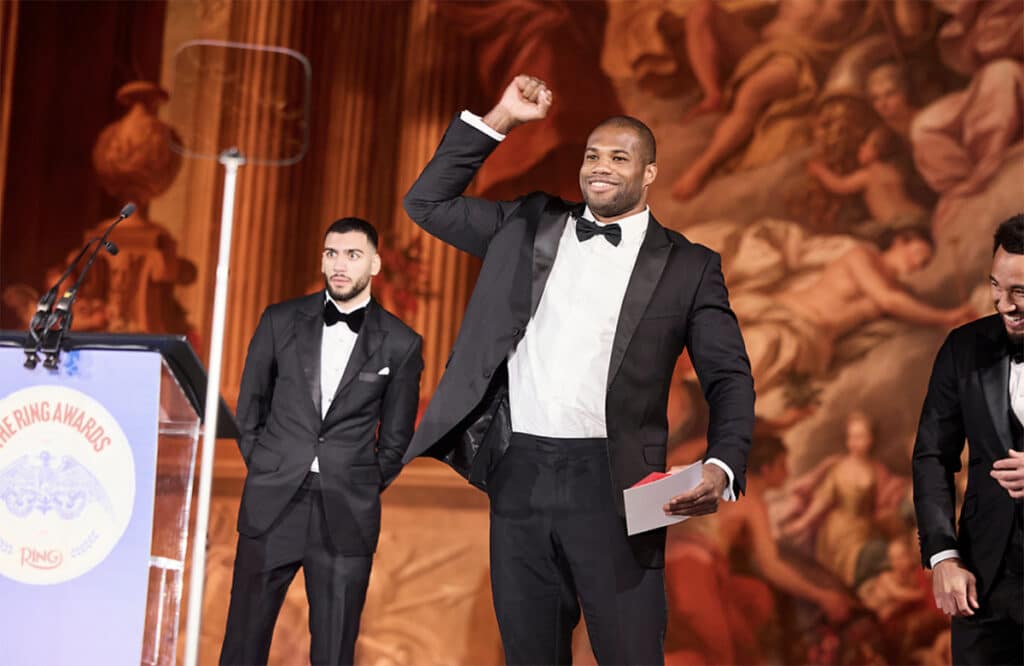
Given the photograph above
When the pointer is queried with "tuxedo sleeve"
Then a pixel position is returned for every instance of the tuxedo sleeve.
(940, 440)
(720, 360)
(436, 203)
(257, 387)
(398, 412)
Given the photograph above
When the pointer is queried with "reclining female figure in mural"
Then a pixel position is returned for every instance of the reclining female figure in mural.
(717, 615)
(757, 75)
(791, 326)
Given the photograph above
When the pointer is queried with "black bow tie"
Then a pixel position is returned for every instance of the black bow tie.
(1015, 350)
(586, 229)
(354, 319)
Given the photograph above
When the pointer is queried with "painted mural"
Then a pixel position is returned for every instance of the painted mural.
(850, 161)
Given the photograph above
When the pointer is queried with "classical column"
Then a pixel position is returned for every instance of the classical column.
(361, 50)
(190, 209)
(438, 79)
(267, 200)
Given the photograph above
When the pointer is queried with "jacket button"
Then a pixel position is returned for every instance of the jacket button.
(487, 374)
(320, 439)
(515, 331)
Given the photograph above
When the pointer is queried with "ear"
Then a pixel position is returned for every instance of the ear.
(375, 264)
(650, 173)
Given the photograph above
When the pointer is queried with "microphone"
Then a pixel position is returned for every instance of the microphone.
(58, 321)
(127, 211)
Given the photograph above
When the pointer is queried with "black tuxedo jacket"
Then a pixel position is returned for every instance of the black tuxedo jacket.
(676, 299)
(361, 441)
(968, 397)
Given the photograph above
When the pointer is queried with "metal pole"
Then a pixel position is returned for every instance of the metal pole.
(231, 159)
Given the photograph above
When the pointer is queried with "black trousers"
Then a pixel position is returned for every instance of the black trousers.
(264, 568)
(558, 544)
(995, 633)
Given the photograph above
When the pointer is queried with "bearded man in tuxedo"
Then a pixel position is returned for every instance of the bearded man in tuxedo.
(976, 393)
(326, 408)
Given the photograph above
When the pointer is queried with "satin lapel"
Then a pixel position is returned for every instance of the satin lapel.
(994, 373)
(649, 265)
(370, 337)
(309, 331)
(547, 235)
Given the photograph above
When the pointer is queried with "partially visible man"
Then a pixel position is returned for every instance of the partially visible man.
(326, 408)
(977, 391)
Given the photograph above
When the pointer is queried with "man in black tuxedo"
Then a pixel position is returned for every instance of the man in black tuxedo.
(554, 397)
(977, 392)
(326, 407)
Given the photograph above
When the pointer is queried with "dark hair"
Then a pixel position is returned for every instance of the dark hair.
(764, 450)
(1010, 235)
(885, 239)
(347, 224)
(648, 146)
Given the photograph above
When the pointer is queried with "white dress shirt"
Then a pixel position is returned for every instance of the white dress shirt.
(1016, 389)
(558, 373)
(335, 350)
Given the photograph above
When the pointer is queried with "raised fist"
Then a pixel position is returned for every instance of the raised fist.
(526, 98)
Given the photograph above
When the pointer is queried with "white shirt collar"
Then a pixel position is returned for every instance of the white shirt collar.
(633, 227)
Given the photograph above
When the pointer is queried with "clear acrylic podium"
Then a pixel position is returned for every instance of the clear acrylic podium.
(182, 386)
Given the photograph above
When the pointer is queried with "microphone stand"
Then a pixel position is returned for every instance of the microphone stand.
(58, 321)
(231, 158)
(37, 327)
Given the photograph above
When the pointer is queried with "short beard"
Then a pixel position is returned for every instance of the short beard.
(345, 296)
(620, 205)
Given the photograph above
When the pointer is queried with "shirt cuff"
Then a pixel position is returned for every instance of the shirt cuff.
(476, 121)
(944, 555)
(728, 495)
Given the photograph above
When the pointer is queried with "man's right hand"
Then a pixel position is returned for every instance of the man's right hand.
(526, 98)
(955, 588)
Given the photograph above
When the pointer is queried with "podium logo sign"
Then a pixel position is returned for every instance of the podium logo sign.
(67, 484)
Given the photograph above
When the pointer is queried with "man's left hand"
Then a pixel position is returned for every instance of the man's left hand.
(704, 497)
(1009, 473)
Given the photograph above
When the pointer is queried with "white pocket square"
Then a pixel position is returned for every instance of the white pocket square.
(384, 371)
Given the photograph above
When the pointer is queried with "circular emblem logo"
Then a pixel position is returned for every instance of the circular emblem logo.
(67, 484)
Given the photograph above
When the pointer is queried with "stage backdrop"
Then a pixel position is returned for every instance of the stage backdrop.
(798, 140)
